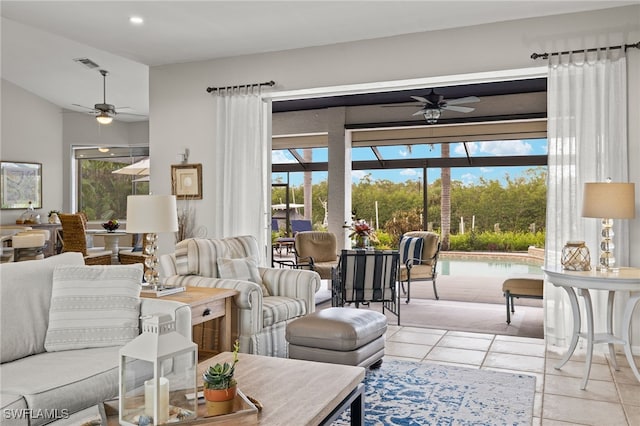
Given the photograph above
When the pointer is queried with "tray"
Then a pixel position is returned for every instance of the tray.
(245, 413)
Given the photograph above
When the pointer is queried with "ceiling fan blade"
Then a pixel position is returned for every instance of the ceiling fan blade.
(465, 100)
(458, 108)
(85, 107)
(130, 113)
(402, 106)
(421, 112)
(421, 99)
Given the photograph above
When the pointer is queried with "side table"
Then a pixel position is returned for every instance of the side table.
(625, 280)
(208, 304)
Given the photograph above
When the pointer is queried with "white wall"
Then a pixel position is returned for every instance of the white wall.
(32, 132)
(182, 112)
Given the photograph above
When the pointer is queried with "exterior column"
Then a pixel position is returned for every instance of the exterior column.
(339, 175)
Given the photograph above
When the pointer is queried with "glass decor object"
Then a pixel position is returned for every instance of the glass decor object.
(608, 201)
(575, 256)
(158, 375)
(151, 214)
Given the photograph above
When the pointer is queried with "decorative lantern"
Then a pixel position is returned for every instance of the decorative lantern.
(575, 256)
(158, 375)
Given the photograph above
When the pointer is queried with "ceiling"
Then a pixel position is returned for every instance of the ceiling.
(41, 39)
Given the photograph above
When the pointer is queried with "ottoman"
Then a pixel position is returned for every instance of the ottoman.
(339, 336)
(527, 286)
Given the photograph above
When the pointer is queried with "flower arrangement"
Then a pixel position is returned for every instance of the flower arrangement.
(363, 233)
(361, 228)
(111, 225)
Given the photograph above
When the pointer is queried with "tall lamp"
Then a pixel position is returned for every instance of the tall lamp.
(151, 214)
(608, 201)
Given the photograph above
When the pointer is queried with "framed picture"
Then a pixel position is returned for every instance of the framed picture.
(20, 183)
(186, 181)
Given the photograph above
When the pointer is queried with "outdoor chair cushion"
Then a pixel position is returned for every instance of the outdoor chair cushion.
(411, 248)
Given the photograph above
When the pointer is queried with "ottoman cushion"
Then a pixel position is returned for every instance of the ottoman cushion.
(524, 286)
(363, 356)
(337, 329)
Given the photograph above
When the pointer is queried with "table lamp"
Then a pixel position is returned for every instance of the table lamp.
(151, 214)
(608, 201)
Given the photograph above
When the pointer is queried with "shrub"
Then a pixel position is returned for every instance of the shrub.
(496, 241)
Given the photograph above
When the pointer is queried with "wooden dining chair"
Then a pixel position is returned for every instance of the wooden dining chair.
(75, 239)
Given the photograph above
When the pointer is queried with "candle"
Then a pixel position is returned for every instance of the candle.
(163, 395)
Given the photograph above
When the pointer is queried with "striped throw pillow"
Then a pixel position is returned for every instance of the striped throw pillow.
(244, 269)
(93, 306)
(411, 248)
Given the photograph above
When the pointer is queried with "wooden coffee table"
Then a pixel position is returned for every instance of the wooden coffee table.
(295, 392)
(208, 304)
(290, 391)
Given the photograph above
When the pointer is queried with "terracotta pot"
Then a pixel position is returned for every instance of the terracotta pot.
(220, 401)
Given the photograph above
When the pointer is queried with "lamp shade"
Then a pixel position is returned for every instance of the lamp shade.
(609, 200)
(151, 214)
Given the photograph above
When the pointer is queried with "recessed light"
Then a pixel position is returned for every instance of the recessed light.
(103, 149)
(136, 20)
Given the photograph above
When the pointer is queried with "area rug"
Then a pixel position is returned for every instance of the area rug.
(411, 394)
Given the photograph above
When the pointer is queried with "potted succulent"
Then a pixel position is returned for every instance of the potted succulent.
(219, 385)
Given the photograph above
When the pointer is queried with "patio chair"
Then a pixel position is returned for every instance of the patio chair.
(419, 251)
(75, 239)
(297, 225)
(364, 276)
(317, 251)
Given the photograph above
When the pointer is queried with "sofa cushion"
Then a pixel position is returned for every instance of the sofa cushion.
(25, 295)
(198, 256)
(277, 309)
(69, 380)
(93, 306)
(245, 269)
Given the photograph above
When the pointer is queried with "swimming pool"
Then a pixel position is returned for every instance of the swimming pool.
(485, 268)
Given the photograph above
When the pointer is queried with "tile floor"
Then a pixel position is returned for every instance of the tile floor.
(611, 398)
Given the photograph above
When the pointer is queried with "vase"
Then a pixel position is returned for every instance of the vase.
(362, 241)
(220, 401)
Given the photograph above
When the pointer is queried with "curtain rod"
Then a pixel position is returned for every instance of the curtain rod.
(546, 55)
(239, 86)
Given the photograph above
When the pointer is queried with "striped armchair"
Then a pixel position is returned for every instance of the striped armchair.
(262, 310)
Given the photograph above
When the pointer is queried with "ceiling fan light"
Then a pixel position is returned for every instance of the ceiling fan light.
(104, 118)
(432, 115)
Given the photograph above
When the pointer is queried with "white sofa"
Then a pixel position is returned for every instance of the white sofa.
(260, 320)
(38, 386)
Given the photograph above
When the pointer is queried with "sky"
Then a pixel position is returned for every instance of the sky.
(468, 176)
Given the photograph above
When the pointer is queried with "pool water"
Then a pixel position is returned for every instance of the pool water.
(488, 268)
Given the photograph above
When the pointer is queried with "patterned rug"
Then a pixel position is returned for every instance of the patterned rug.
(418, 394)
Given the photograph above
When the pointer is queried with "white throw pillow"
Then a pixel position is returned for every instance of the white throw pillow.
(245, 269)
(93, 306)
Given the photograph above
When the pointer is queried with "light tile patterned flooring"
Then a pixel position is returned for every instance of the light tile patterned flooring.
(611, 398)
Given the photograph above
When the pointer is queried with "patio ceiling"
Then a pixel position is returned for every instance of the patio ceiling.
(509, 110)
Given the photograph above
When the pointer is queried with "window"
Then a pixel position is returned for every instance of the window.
(101, 192)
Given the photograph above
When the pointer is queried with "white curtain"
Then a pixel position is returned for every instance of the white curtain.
(587, 135)
(242, 153)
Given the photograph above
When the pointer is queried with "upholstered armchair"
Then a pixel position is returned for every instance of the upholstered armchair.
(268, 298)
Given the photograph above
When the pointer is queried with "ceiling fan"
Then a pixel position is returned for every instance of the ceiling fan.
(433, 104)
(105, 112)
